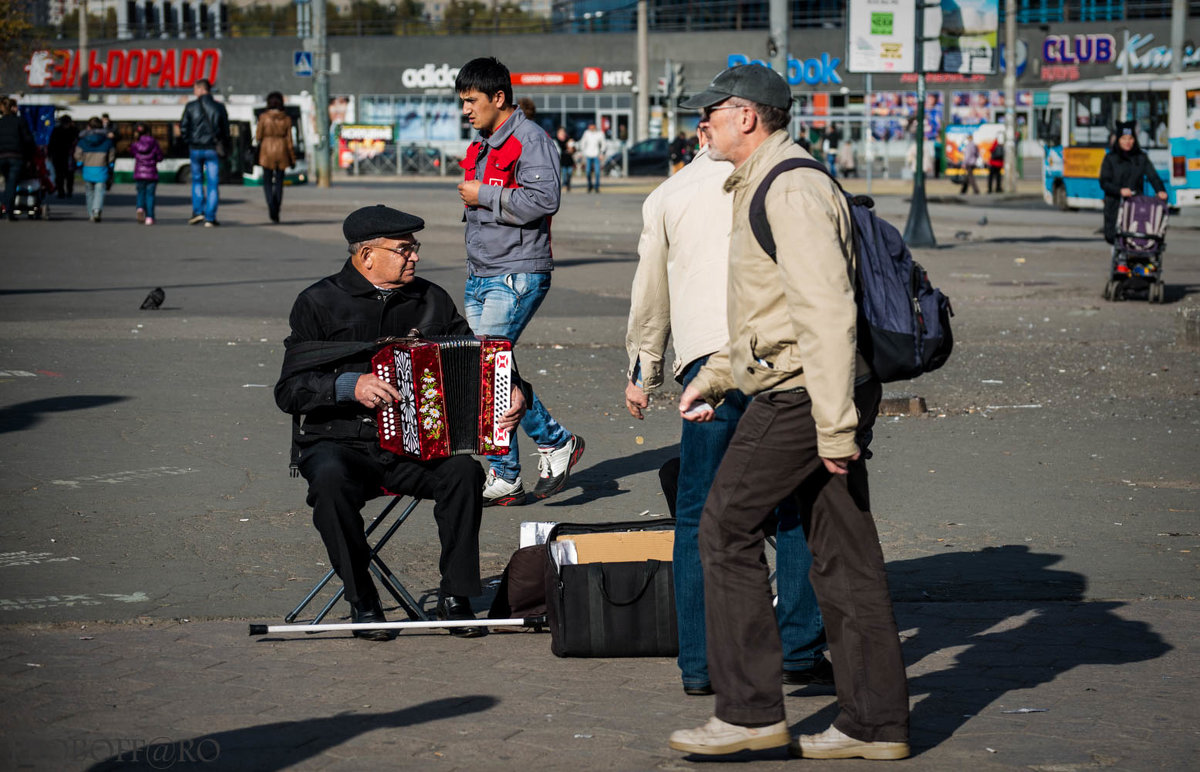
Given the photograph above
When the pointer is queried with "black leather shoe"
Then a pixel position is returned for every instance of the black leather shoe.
(703, 690)
(451, 607)
(820, 674)
(367, 612)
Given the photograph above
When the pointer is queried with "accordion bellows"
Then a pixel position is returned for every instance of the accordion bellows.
(452, 391)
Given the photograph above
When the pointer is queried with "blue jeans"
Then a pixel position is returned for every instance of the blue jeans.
(566, 172)
(503, 305)
(94, 197)
(206, 174)
(592, 165)
(145, 196)
(701, 447)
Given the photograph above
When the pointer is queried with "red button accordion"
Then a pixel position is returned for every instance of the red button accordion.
(453, 390)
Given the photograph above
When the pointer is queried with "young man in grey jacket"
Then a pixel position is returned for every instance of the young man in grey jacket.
(792, 349)
(510, 190)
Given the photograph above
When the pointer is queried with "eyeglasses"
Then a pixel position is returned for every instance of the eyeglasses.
(405, 250)
(706, 113)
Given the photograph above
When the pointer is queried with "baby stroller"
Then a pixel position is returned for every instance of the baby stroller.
(33, 189)
(1137, 252)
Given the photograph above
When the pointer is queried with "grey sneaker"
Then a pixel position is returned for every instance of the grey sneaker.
(717, 738)
(498, 492)
(196, 219)
(554, 466)
(835, 744)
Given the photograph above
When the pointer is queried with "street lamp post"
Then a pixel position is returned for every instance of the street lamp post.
(82, 59)
(918, 231)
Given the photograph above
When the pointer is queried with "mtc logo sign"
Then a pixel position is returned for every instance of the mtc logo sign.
(595, 78)
(811, 71)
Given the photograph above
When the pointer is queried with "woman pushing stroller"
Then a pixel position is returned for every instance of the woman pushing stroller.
(1123, 174)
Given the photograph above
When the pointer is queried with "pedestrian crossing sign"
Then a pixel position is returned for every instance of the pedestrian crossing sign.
(302, 64)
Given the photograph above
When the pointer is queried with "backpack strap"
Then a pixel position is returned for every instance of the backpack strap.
(758, 204)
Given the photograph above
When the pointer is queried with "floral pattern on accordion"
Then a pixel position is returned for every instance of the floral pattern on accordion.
(432, 410)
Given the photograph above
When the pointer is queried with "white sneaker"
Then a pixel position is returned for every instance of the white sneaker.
(498, 492)
(554, 466)
(835, 744)
(717, 738)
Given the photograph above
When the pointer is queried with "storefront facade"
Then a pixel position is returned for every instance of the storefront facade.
(574, 79)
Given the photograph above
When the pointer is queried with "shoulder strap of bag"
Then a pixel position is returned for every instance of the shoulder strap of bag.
(758, 204)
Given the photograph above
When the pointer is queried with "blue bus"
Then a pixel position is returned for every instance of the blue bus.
(1078, 123)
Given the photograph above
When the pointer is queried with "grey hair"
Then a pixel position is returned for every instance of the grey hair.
(354, 246)
(773, 118)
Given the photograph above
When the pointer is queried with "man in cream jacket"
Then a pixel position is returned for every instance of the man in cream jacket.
(792, 349)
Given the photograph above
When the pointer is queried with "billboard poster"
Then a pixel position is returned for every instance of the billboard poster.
(881, 36)
(968, 37)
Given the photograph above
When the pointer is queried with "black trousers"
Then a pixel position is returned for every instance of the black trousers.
(1112, 209)
(773, 454)
(64, 177)
(342, 477)
(996, 178)
(273, 190)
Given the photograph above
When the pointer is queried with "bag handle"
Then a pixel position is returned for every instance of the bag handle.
(648, 572)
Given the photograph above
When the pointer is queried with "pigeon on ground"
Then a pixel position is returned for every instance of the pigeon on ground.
(963, 235)
(983, 220)
(154, 299)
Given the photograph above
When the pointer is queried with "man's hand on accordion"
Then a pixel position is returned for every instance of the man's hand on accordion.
(372, 392)
(511, 418)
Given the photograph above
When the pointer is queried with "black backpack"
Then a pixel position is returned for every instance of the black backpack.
(903, 320)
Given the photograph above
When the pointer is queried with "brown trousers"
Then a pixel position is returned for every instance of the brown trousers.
(773, 455)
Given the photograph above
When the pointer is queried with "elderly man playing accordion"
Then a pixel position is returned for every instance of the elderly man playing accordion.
(328, 385)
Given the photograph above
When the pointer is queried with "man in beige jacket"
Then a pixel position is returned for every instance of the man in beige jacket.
(679, 292)
(792, 349)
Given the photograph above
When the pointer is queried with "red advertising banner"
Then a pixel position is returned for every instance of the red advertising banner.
(154, 69)
(545, 78)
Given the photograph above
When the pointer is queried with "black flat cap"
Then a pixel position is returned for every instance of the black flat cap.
(379, 222)
(749, 81)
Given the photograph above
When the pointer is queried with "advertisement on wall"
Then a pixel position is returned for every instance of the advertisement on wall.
(968, 37)
(881, 36)
(358, 142)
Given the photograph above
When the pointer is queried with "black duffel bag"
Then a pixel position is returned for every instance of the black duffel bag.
(617, 609)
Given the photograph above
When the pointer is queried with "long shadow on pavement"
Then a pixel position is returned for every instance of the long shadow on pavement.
(284, 744)
(26, 415)
(1019, 624)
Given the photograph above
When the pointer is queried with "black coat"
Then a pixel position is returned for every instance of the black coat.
(16, 140)
(346, 309)
(1124, 170)
(62, 143)
(1128, 170)
(205, 123)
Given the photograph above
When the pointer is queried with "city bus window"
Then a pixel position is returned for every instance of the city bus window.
(1049, 125)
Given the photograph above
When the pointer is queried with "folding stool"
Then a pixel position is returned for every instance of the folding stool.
(378, 567)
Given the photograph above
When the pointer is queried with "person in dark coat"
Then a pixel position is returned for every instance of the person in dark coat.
(328, 386)
(1124, 173)
(60, 148)
(16, 149)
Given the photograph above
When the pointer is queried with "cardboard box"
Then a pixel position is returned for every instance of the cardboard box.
(623, 546)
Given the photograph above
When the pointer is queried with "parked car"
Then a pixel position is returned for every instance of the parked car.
(650, 157)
